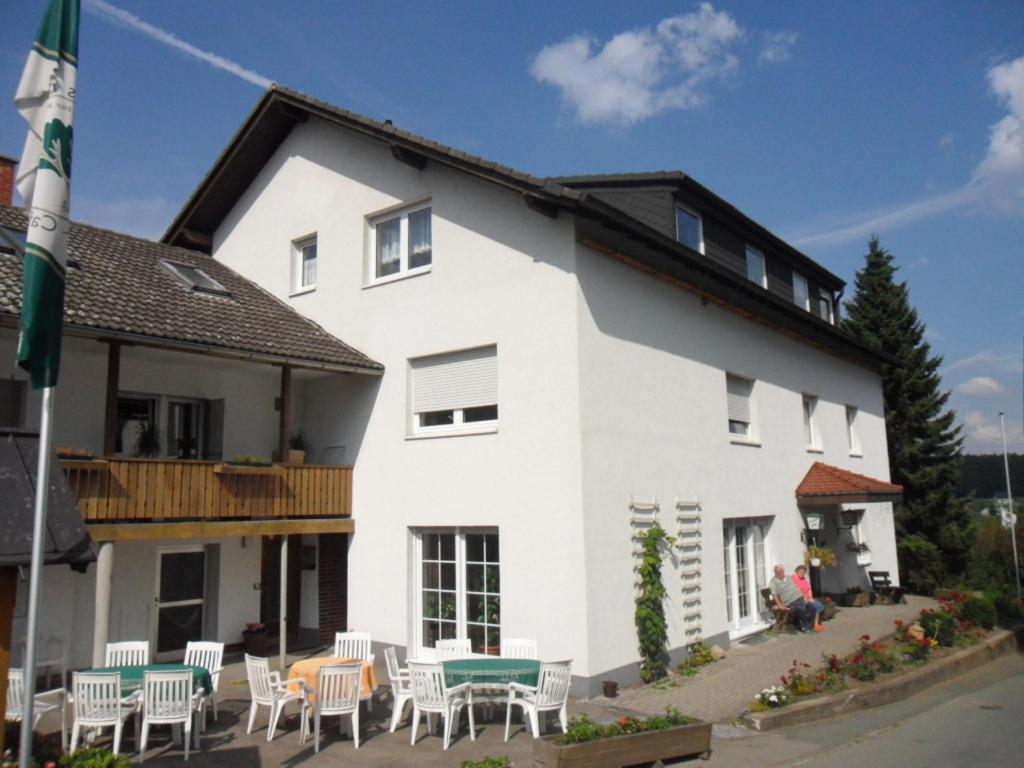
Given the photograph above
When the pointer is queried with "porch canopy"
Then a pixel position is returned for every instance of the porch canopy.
(827, 486)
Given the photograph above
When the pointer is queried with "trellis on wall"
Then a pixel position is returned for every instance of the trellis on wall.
(689, 537)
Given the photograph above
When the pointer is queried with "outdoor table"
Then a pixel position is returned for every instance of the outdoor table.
(491, 671)
(132, 676)
(309, 670)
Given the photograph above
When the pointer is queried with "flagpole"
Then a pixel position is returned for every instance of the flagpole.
(35, 575)
(1009, 500)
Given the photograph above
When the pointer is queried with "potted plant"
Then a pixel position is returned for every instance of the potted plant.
(254, 639)
(147, 440)
(820, 556)
(862, 551)
(297, 448)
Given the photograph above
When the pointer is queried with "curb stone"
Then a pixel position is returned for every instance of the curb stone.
(991, 648)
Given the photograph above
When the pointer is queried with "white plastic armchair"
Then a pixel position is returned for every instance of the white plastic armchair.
(337, 693)
(45, 701)
(513, 648)
(431, 695)
(401, 689)
(352, 645)
(550, 694)
(453, 649)
(131, 653)
(98, 704)
(266, 689)
(211, 657)
(168, 699)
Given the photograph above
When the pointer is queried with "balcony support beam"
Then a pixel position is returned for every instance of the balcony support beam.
(101, 623)
(217, 529)
(113, 382)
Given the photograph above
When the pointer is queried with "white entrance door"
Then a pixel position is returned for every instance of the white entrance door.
(745, 573)
(180, 600)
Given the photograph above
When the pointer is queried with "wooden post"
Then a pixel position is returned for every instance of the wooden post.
(286, 413)
(110, 415)
(283, 602)
(8, 588)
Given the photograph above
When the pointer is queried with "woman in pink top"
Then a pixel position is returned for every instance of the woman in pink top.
(799, 578)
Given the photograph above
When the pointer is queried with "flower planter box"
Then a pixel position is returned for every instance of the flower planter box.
(255, 641)
(647, 747)
(248, 469)
(863, 558)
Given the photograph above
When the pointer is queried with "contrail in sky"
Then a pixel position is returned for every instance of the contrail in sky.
(117, 15)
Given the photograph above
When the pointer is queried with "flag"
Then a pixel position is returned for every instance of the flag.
(46, 99)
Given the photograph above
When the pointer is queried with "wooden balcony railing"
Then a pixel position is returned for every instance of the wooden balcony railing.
(126, 490)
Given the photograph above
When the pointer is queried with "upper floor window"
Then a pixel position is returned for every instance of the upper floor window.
(455, 391)
(825, 306)
(738, 392)
(304, 262)
(800, 295)
(401, 243)
(810, 426)
(689, 229)
(853, 439)
(756, 271)
(12, 403)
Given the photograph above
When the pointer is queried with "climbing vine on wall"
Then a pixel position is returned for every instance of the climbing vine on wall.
(651, 627)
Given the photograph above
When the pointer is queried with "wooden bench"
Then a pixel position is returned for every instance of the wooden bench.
(783, 616)
(887, 592)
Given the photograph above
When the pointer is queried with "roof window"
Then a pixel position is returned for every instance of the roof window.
(196, 279)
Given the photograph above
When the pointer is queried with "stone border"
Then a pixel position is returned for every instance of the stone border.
(897, 689)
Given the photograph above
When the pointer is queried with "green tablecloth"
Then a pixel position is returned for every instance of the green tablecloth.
(131, 677)
(496, 671)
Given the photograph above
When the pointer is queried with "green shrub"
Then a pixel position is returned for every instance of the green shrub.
(488, 762)
(700, 656)
(649, 615)
(941, 626)
(582, 728)
(94, 757)
(980, 611)
(921, 565)
(1008, 607)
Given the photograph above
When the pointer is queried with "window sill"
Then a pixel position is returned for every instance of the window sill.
(301, 291)
(748, 443)
(399, 276)
(813, 449)
(856, 455)
(453, 433)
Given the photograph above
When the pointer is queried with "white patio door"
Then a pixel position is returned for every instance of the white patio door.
(180, 600)
(745, 572)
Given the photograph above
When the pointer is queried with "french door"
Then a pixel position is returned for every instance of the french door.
(746, 573)
(180, 600)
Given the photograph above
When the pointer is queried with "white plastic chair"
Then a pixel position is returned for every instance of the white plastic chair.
(518, 649)
(52, 651)
(266, 689)
(211, 657)
(168, 699)
(453, 649)
(550, 694)
(430, 694)
(98, 703)
(131, 653)
(337, 693)
(401, 690)
(352, 645)
(43, 703)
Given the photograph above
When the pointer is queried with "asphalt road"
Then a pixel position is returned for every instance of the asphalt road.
(973, 721)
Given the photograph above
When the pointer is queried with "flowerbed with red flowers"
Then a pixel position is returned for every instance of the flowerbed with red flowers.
(961, 621)
(582, 728)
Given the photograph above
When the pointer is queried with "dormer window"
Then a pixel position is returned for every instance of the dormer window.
(800, 295)
(825, 307)
(756, 271)
(689, 229)
(196, 279)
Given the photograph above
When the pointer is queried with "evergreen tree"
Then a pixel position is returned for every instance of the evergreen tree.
(924, 442)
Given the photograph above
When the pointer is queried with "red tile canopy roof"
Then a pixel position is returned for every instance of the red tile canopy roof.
(823, 481)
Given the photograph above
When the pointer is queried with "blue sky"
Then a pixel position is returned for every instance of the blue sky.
(823, 121)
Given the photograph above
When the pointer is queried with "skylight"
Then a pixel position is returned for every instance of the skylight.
(8, 234)
(196, 278)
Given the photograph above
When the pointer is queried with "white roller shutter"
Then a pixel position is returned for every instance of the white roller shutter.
(738, 395)
(456, 380)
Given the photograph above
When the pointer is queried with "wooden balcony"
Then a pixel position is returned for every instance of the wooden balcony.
(183, 498)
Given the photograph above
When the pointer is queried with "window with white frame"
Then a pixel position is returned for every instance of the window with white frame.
(689, 228)
(756, 271)
(401, 243)
(738, 392)
(825, 307)
(800, 296)
(304, 263)
(458, 588)
(853, 439)
(456, 391)
(810, 426)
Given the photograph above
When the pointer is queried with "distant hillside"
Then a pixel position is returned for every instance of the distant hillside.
(984, 475)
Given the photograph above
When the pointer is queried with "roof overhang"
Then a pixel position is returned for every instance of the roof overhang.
(827, 486)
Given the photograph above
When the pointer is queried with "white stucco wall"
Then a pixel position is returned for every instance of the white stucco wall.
(501, 275)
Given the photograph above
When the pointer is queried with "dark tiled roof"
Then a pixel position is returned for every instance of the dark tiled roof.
(826, 480)
(122, 287)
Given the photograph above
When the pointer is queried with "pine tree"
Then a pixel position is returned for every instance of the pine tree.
(924, 443)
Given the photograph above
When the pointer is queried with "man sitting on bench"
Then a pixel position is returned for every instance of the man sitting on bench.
(788, 595)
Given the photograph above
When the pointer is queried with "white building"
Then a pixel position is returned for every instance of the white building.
(565, 360)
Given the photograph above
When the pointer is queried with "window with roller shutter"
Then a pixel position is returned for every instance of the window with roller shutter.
(455, 391)
(738, 397)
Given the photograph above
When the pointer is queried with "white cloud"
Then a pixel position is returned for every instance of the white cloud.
(990, 361)
(997, 182)
(777, 47)
(641, 73)
(980, 386)
(119, 16)
(979, 430)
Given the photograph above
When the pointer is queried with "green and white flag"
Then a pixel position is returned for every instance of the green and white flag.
(46, 99)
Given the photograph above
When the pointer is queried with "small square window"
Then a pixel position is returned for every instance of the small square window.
(401, 243)
(756, 271)
(689, 228)
(800, 296)
(304, 264)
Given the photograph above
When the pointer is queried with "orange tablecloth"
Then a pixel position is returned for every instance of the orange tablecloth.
(309, 670)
